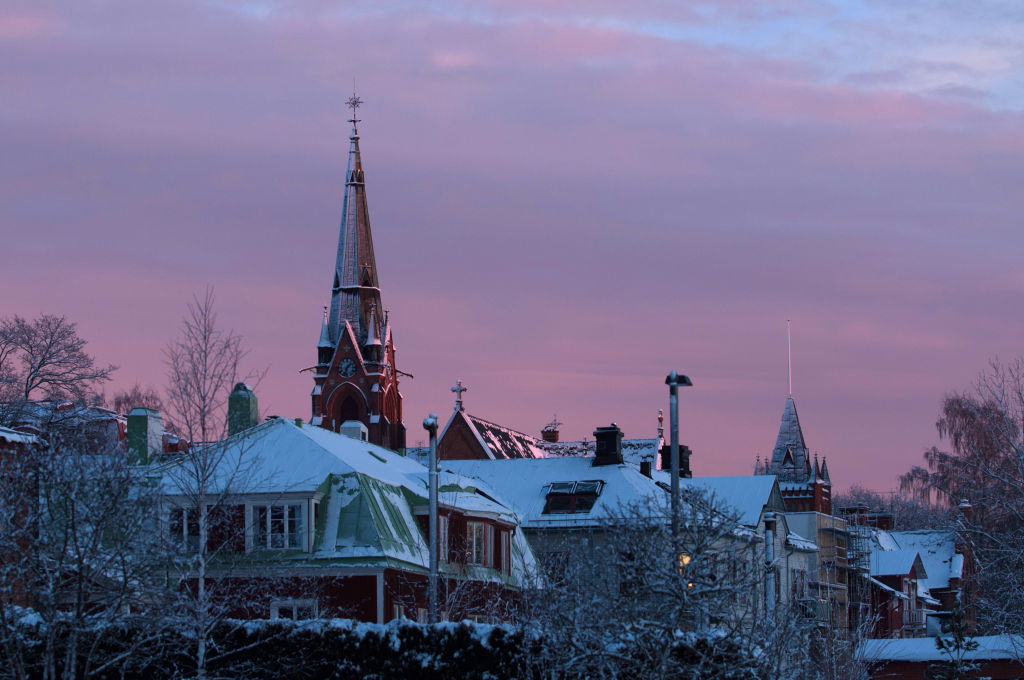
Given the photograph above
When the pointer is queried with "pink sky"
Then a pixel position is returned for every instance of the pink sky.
(567, 202)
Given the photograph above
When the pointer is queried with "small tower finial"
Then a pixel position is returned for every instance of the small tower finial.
(661, 423)
(789, 356)
(325, 313)
(354, 102)
(458, 390)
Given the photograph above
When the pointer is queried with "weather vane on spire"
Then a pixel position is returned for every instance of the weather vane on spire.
(353, 103)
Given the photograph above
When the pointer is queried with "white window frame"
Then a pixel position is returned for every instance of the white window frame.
(489, 545)
(263, 538)
(442, 538)
(184, 541)
(476, 543)
(506, 552)
(293, 606)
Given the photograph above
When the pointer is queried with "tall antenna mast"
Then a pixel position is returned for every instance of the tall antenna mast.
(789, 356)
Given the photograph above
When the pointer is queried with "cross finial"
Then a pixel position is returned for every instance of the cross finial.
(458, 390)
(354, 103)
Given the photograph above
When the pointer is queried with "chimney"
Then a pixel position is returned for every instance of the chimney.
(645, 468)
(966, 510)
(608, 445)
(243, 409)
(684, 460)
(145, 436)
(550, 431)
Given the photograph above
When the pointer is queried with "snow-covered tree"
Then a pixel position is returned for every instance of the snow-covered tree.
(984, 466)
(633, 600)
(77, 548)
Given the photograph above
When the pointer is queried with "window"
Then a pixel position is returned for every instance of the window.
(798, 581)
(489, 545)
(442, 538)
(277, 527)
(506, 552)
(397, 611)
(572, 497)
(422, 615)
(293, 609)
(184, 528)
(475, 543)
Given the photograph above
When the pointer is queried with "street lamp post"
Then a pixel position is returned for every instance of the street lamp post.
(430, 425)
(674, 380)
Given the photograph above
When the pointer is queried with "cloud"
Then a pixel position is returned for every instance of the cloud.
(563, 210)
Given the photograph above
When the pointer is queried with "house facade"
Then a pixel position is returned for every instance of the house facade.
(307, 522)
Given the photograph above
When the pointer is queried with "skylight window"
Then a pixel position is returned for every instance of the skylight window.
(572, 497)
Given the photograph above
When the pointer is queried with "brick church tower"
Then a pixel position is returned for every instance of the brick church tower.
(356, 380)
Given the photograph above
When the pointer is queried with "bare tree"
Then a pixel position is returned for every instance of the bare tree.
(45, 359)
(909, 510)
(203, 364)
(125, 400)
(985, 467)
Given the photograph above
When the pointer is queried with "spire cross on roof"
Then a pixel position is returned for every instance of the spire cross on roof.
(354, 103)
(458, 390)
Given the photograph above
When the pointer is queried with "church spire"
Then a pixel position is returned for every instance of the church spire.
(356, 377)
(355, 287)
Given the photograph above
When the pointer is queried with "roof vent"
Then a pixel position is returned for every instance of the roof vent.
(354, 429)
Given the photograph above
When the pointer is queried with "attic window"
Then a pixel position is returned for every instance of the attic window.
(572, 497)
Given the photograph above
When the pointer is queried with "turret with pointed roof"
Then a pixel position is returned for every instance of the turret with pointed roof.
(790, 460)
(804, 483)
(355, 377)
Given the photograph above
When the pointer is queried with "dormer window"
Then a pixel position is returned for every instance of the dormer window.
(572, 497)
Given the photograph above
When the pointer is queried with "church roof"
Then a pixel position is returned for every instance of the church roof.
(504, 442)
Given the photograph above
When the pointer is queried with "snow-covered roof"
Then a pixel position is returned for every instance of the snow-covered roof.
(747, 494)
(504, 442)
(938, 553)
(524, 484)
(15, 437)
(990, 647)
(798, 542)
(896, 563)
(882, 586)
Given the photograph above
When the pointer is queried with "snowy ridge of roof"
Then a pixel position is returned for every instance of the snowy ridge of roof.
(15, 437)
(990, 647)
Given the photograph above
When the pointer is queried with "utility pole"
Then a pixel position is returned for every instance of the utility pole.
(430, 424)
(674, 380)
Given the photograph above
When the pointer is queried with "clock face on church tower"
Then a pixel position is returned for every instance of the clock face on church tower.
(347, 367)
